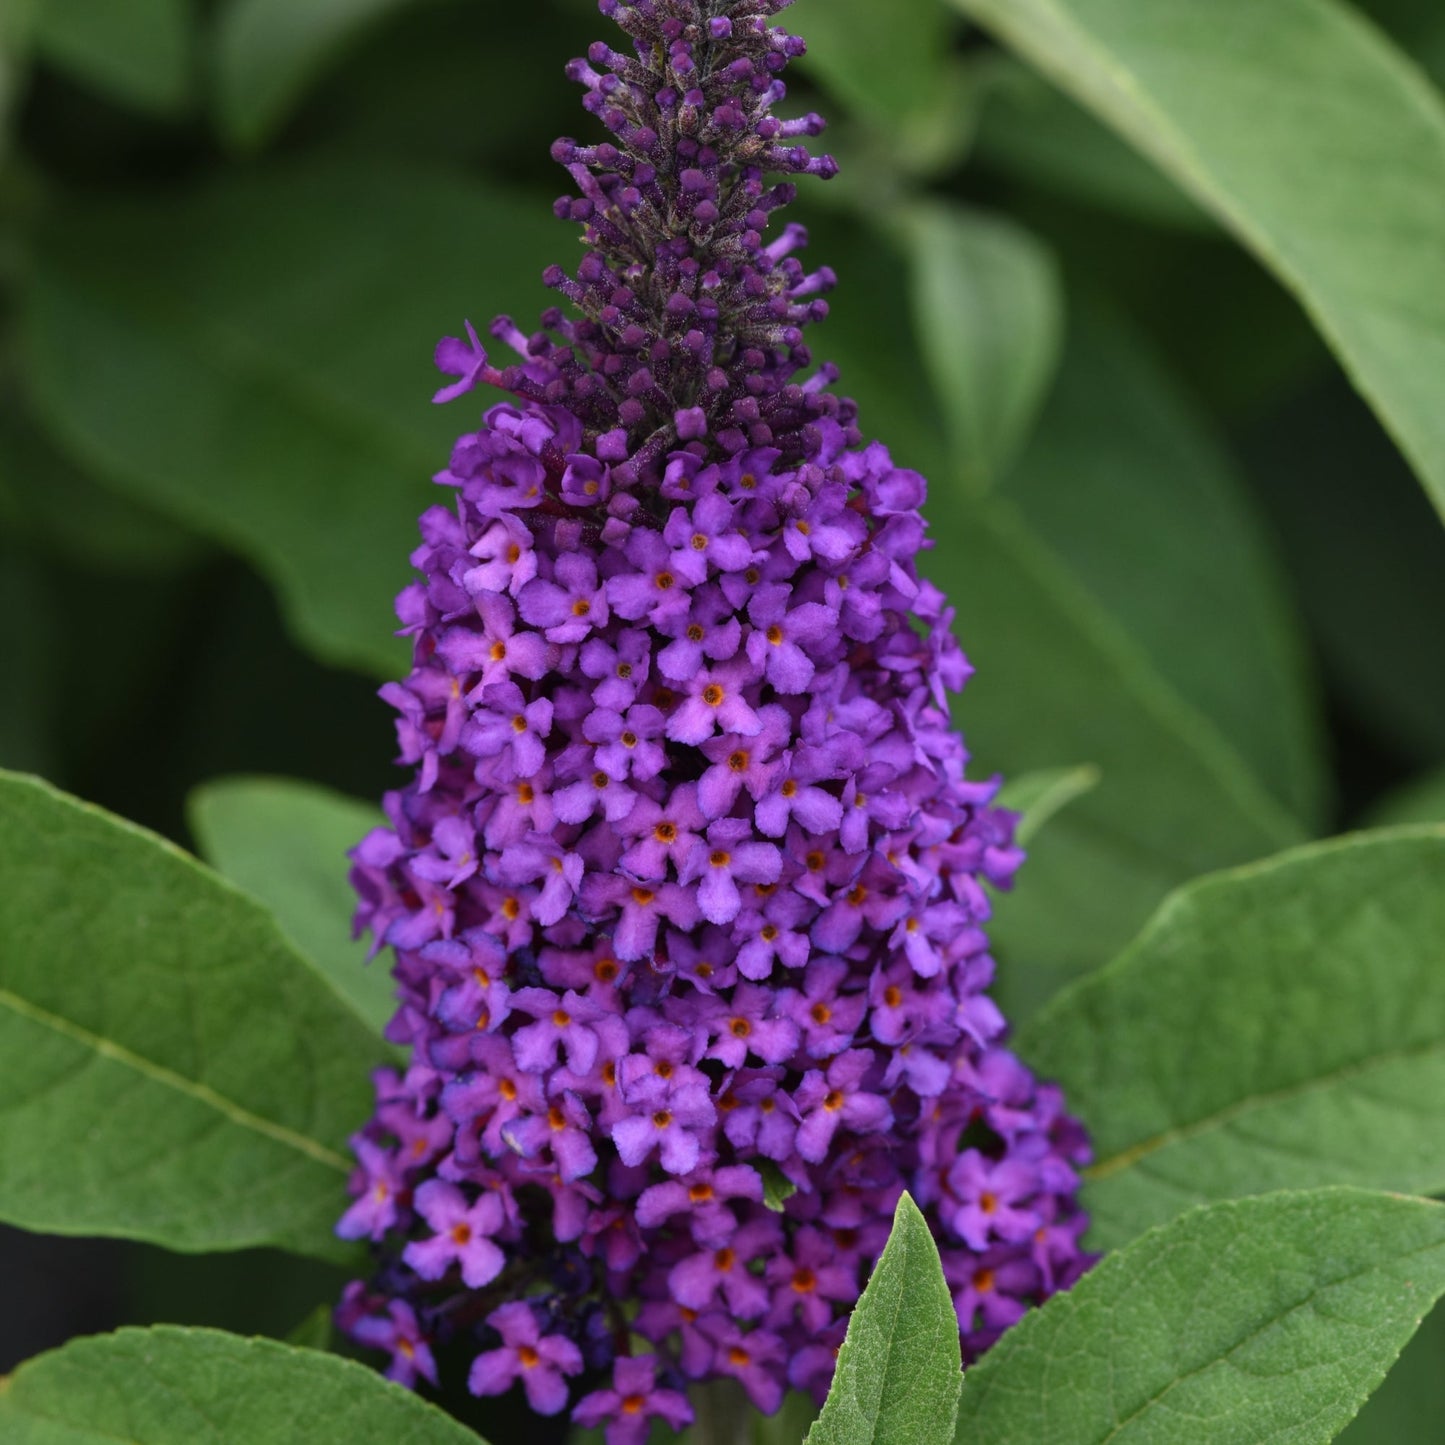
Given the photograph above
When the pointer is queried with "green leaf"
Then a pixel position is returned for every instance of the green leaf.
(898, 1373)
(1029, 130)
(988, 306)
(1410, 1405)
(1420, 801)
(177, 1072)
(169, 1386)
(315, 1332)
(1258, 1319)
(285, 843)
(17, 27)
(1309, 136)
(140, 51)
(1130, 484)
(887, 62)
(1038, 796)
(777, 1187)
(191, 354)
(267, 52)
(1278, 1026)
(1059, 681)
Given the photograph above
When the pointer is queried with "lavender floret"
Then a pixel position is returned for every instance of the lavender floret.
(686, 892)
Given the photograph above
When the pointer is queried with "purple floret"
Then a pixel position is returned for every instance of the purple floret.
(686, 891)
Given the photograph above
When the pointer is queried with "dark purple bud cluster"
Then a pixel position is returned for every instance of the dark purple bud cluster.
(686, 892)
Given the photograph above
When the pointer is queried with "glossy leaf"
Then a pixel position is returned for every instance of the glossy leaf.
(139, 51)
(1278, 1026)
(268, 51)
(285, 843)
(1257, 1319)
(178, 1073)
(988, 308)
(191, 354)
(898, 1373)
(1039, 796)
(169, 1386)
(1330, 167)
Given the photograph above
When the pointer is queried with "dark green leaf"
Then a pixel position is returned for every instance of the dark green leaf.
(285, 843)
(1302, 129)
(898, 1371)
(177, 1072)
(888, 62)
(1059, 682)
(17, 28)
(1038, 796)
(315, 1332)
(168, 1386)
(1278, 1026)
(269, 51)
(1030, 130)
(1254, 1320)
(191, 353)
(1421, 801)
(139, 51)
(1129, 483)
(988, 308)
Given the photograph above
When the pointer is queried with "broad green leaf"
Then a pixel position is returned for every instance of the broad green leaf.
(139, 51)
(169, 1386)
(1059, 682)
(177, 1072)
(268, 51)
(285, 843)
(194, 354)
(1129, 483)
(1038, 796)
(898, 1373)
(1278, 1026)
(1421, 801)
(1410, 1405)
(1029, 129)
(888, 62)
(1254, 1320)
(988, 307)
(1308, 135)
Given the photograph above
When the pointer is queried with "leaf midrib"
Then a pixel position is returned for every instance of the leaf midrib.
(167, 1078)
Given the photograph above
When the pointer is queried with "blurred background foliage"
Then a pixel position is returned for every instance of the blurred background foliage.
(1203, 590)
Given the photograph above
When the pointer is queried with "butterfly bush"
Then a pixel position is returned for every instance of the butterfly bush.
(686, 891)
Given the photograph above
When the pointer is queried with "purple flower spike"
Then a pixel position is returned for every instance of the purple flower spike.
(688, 889)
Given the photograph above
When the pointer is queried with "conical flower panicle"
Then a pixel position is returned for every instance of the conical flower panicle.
(686, 892)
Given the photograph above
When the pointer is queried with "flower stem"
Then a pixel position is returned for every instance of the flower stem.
(723, 1415)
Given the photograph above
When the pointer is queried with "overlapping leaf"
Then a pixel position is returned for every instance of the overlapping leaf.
(285, 842)
(169, 1386)
(140, 51)
(1258, 1319)
(898, 1373)
(1302, 129)
(1279, 1026)
(175, 1071)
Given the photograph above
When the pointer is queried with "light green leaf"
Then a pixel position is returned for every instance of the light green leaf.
(1130, 484)
(170, 1386)
(888, 62)
(1420, 801)
(178, 1072)
(1316, 142)
(1038, 796)
(193, 354)
(898, 1373)
(1029, 129)
(1255, 1320)
(139, 51)
(988, 306)
(268, 51)
(1278, 1026)
(285, 843)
